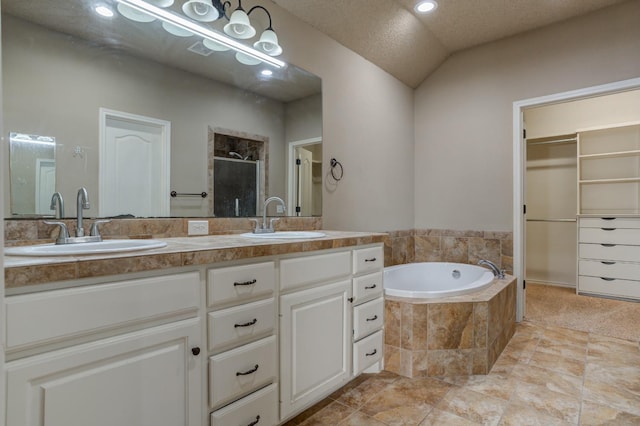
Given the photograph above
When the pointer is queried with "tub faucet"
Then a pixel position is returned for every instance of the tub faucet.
(496, 271)
(82, 203)
(264, 228)
(56, 199)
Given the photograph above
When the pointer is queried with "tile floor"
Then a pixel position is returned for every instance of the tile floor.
(546, 375)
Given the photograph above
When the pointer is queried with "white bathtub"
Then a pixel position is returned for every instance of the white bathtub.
(431, 280)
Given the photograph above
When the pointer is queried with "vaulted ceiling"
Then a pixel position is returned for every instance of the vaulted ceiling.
(409, 46)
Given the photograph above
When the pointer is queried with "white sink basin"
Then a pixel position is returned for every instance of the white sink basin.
(106, 246)
(286, 235)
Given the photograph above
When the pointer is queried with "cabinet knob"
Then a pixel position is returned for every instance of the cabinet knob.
(195, 351)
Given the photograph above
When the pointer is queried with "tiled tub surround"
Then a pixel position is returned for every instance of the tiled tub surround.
(460, 335)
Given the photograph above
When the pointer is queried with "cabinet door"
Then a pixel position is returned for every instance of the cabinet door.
(315, 344)
(146, 378)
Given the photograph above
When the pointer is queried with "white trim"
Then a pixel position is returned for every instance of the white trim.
(291, 188)
(518, 164)
(165, 165)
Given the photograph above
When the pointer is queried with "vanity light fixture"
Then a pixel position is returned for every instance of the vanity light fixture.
(262, 51)
(426, 6)
(32, 139)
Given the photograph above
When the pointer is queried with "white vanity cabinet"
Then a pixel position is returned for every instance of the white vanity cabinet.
(123, 355)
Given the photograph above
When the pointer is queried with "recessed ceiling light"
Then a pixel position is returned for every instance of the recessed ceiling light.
(266, 73)
(105, 11)
(426, 6)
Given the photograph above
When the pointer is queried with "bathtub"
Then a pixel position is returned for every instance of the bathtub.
(433, 280)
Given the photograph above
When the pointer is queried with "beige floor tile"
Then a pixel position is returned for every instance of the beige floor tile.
(615, 385)
(492, 385)
(557, 363)
(595, 414)
(357, 396)
(548, 403)
(473, 406)
(438, 418)
(552, 380)
(518, 414)
(360, 419)
(332, 414)
(397, 405)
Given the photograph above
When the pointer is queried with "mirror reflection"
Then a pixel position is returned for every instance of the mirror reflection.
(137, 113)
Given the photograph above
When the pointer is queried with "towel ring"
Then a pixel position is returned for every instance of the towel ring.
(335, 164)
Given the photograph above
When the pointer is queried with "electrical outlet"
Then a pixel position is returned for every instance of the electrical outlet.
(198, 227)
(279, 208)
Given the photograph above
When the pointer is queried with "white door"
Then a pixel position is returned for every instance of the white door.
(45, 184)
(315, 344)
(304, 166)
(134, 165)
(146, 378)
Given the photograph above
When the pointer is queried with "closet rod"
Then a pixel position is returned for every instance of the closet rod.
(558, 141)
(551, 220)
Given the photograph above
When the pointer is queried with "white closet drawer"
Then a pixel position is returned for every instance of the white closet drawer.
(610, 222)
(53, 315)
(300, 271)
(368, 318)
(368, 260)
(614, 288)
(606, 269)
(238, 283)
(367, 352)
(260, 408)
(241, 324)
(609, 236)
(235, 373)
(610, 252)
(367, 287)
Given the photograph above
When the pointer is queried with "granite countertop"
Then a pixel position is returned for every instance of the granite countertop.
(21, 271)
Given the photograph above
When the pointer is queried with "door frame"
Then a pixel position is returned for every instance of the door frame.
(519, 166)
(291, 170)
(106, 114)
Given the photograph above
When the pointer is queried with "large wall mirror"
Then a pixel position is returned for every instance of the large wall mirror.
(135, 113)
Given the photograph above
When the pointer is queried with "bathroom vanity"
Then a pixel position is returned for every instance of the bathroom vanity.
(218, 330)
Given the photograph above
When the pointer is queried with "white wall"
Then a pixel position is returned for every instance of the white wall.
(463, 122)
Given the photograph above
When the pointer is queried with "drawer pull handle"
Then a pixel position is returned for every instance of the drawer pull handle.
(608, 218)
(607, 279)
(246, 324)
(608, 229)
(253, 281)
(608, 245)
(373, 318)
(607, 263)
(370, 287)
(255, 422)
(373, 259)
(375, 351)
(246, 373)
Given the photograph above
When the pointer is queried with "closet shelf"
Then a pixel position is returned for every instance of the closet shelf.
(610, 154)
(616, 180)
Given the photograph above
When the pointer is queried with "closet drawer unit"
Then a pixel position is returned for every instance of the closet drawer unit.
(240, 371)
(367, 352)
(610, 252)
(301, 271)
(260, 408)
(368, 318)
(612, 287)
(368, 260)
(623, 236)
(609, 269)
(367, 287)
(236, 284)
(610, 222)
(241, 324)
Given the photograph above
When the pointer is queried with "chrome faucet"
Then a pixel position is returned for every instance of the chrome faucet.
(494, 268)
(82, 203)
(264, 229)
(56, 199)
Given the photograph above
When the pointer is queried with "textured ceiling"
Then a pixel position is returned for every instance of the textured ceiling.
(391, 35)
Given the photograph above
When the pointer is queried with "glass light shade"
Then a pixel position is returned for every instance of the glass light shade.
(161, 3)
(214, 45)
(239, 25)
(134, 14)
(200, 10)
(243, 58)
(268, 43)
(176, 30)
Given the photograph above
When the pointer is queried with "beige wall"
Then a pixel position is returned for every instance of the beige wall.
(463, 111)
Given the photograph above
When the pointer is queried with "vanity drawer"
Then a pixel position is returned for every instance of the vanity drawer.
(606, 269)
(610, 252)
(609, 236)
(614, 288)
(241, 324)
(240, 371)
(51, 316)
(367, 352)
(239, 283)
(260, 408)
(610, 222)
(368, 260)
(301, 271)
(368, 318)
(367, 287)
